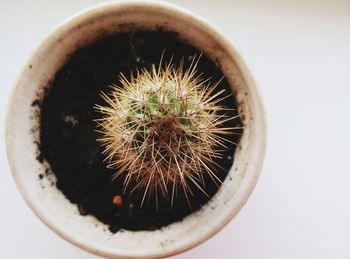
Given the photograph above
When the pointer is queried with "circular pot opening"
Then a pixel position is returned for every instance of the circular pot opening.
(23, 131)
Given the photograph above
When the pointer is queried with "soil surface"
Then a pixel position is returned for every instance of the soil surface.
(68, 138)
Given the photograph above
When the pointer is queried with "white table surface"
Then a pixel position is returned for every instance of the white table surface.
(299, 52)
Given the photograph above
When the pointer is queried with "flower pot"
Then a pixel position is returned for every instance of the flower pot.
(23, 132)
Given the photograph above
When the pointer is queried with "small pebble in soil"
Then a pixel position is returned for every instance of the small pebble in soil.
(70, 120)
(117, 200)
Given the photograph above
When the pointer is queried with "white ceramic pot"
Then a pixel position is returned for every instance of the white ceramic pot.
(51, 206)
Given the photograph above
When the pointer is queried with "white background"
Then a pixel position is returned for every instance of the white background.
(299, 53)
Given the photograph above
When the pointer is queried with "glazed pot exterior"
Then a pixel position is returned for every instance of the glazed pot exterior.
(23, 123)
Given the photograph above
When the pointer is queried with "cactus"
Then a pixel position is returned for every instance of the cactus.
(162, 130)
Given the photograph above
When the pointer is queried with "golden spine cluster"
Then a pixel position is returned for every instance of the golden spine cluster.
(161, 130)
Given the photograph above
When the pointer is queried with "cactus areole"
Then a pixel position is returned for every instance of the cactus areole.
(139, 129)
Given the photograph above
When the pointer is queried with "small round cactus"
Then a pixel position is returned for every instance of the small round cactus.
(162, 130)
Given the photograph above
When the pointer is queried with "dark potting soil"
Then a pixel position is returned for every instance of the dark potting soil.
(69, 140)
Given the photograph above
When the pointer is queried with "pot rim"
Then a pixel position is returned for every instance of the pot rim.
(228, 46)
